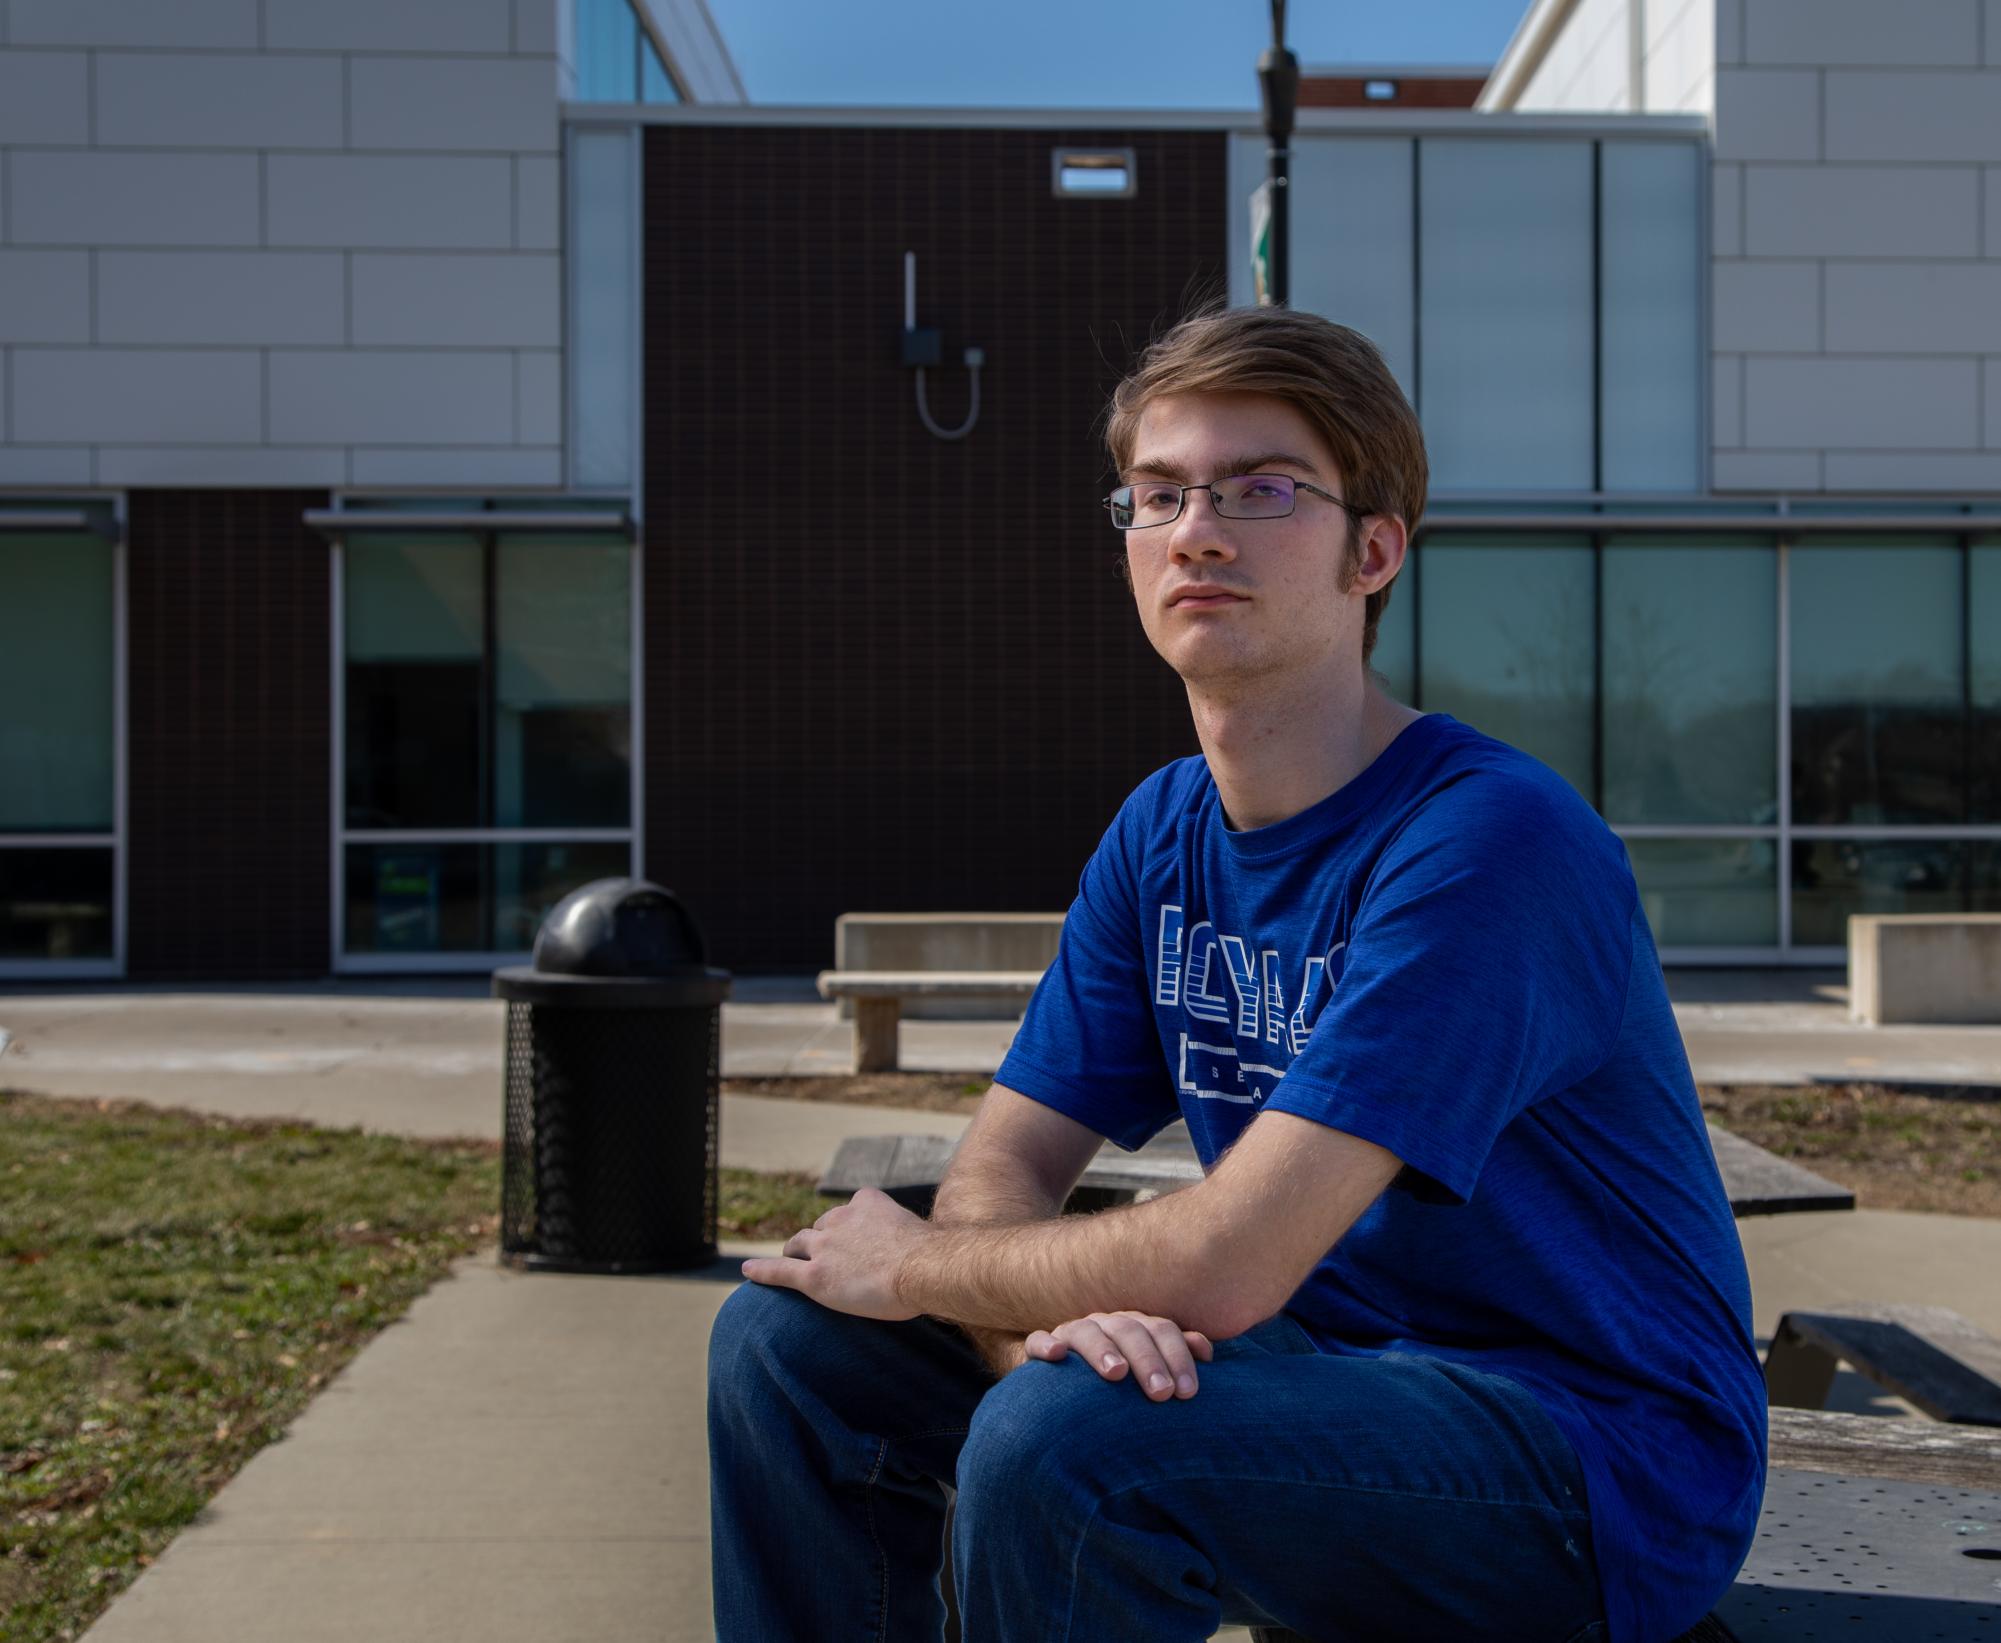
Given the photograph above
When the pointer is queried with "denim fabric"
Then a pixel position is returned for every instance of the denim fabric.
(1396, 1497)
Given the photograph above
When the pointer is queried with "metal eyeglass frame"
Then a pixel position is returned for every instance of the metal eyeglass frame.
(1181, 504)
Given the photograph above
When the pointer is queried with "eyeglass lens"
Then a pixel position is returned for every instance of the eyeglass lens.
(1241, 496)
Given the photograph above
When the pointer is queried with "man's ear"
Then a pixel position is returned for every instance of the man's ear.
(1385, 542)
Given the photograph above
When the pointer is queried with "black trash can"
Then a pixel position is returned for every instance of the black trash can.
(614, 1041)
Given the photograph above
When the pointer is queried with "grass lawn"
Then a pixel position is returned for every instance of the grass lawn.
(173, 1291)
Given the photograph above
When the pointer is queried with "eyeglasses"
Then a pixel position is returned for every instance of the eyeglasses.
(1241, 496)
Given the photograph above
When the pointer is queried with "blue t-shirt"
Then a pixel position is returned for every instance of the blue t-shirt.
(1447, 957)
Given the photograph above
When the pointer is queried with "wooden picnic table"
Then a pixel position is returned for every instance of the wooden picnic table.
(909, 1168)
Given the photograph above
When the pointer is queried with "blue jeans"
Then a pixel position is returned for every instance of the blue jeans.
(1345, 1498)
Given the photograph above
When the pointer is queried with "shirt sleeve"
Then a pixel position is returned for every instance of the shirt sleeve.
(1088, 1044)
(1486, 969)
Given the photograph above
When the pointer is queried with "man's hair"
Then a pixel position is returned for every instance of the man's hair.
(1331, 375)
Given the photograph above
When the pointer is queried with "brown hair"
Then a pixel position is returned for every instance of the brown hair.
(1331, 375)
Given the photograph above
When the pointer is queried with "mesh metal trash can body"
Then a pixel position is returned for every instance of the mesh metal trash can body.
(614, 1038)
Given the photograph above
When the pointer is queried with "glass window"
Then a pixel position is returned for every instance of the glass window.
(1833, 878)
(55, 903)
(1878, 728)
(1504, 310)
(1984, 878)
(416, 666)
(1650, 316)
(563, 753)
(607, 59)
(1983, 586)
(600, 271)
(1395, 655)
(1708, 892)
(1505, 643)
(656, 85)
(57, 630)
(464, 898)
(1691, 680)
(466, 709)
(1352, 236)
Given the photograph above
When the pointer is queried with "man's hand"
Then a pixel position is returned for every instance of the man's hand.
(1161, 1353)
(848, 1259)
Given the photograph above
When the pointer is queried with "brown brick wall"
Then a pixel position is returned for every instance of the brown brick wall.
(1335, 91)
(230, 719)
(884, 671)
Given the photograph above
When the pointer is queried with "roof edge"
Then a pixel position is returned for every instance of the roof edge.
(1524, 53)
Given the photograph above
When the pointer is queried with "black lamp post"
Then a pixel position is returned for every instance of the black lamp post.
(1278, 88)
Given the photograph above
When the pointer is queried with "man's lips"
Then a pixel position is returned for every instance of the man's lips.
(1203, 598)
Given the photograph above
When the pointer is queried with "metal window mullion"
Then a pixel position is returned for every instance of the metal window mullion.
(1416, 628)
(489, 722)
(1597, 316)
(1417, 278)
(1966, 709)
(1598, 671)
(120, 757)
(636, 715)
(58, 841)
(337, 874)
(1784, 696)
(1694, 830)
(1892, 831)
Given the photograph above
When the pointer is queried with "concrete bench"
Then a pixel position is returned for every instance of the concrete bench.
(879, 995)
(909, 1168)
(1927, 1355)
(1943, 968)
(948, 942)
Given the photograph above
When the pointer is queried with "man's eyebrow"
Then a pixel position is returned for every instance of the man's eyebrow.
(1262, 462)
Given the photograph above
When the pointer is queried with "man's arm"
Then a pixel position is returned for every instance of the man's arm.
(1219, 1257)
(1018, 1162)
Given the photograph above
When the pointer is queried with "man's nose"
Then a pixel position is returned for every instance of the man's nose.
(1200, 533)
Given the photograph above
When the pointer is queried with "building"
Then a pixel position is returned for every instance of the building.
(1387, 85)
(453, 453)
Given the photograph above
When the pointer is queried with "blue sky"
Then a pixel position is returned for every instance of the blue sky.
(1079, 53)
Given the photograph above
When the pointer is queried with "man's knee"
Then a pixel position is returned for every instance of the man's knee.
(760, 1329)
(1046, 1432)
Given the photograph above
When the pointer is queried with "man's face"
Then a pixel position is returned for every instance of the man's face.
(1233, 601)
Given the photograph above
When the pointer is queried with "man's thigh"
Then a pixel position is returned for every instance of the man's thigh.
(779, 1362)
(1341, 1497)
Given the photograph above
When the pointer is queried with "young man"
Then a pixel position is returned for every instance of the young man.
(1470, 1310)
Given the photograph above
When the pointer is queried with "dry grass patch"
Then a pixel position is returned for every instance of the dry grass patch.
(1897, 1147)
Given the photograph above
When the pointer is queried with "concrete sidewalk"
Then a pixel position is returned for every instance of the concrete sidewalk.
(523, 1459)
(427, 1062)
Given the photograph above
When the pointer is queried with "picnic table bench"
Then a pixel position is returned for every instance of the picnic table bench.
(1873, 1530)
(909, 1168)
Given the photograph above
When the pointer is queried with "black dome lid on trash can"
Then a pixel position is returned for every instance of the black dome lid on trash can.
(617, 944)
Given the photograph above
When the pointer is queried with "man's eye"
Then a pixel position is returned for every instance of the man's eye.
(1261, 490)
(1155, 496)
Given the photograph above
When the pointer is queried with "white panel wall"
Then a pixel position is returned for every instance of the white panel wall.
(1857, 246)
(1855, 220)
(1653, 56)
(1588, 67)
(269, 242)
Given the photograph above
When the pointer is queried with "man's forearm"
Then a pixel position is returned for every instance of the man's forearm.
(1152, 1257)
(988, 1200)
